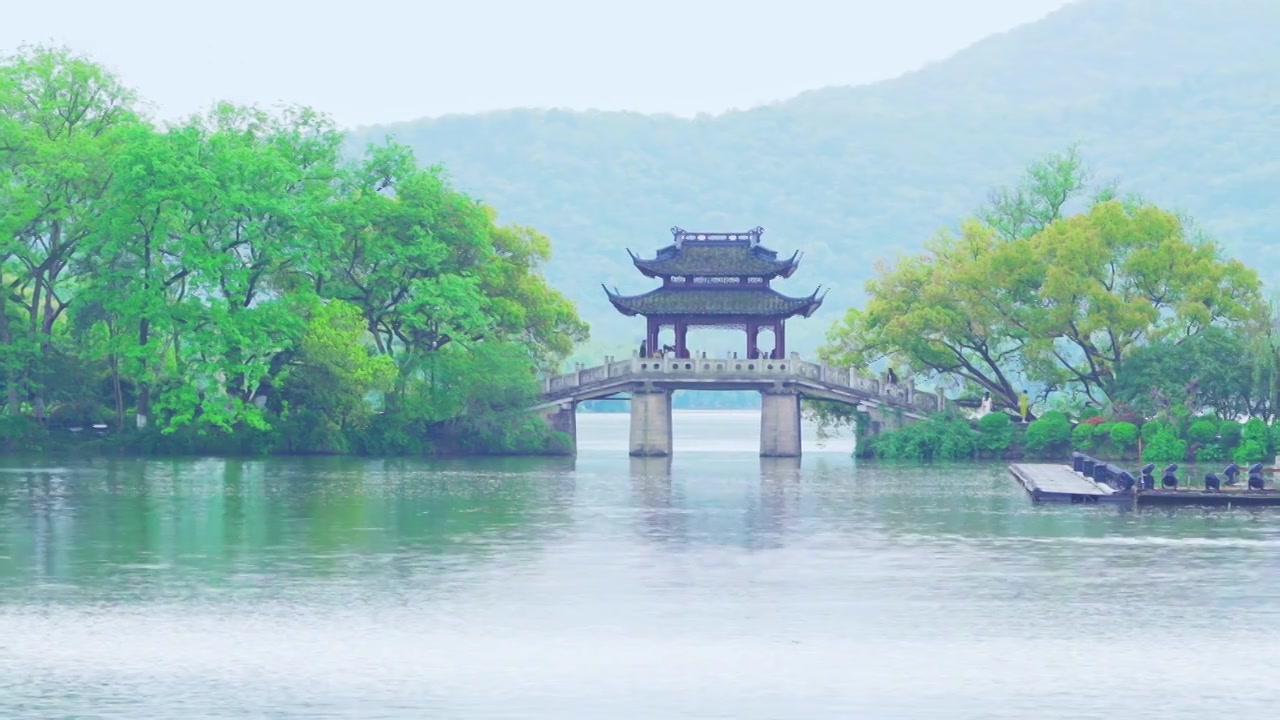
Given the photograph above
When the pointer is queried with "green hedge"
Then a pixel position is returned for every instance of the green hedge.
(1053, 435)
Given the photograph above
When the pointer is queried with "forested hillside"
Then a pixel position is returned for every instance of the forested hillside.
(1175, 100)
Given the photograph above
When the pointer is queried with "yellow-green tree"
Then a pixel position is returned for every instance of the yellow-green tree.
(1116, 278)
(1028, 295)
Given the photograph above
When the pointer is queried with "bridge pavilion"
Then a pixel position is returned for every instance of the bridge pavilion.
(717, 280)
(722, 280)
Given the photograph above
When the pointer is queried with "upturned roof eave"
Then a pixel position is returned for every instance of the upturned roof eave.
(654, 268)
(629, 305)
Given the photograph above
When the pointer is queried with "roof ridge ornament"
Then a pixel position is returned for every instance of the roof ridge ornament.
(679, 235)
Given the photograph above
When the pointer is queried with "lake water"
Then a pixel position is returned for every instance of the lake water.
(716, 585)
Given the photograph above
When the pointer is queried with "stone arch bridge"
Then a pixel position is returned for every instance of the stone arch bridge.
(781, 383)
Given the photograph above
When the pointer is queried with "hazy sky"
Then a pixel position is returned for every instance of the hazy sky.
(388, 60)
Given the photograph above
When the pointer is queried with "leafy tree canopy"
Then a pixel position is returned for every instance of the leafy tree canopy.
(234, 273)
(1026, 294)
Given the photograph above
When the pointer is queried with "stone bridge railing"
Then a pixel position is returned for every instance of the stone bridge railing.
(655, 368)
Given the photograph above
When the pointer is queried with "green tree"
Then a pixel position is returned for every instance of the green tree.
(1210, 370)
(1062, 302)
(1117, 277)
(324, 396)
(1262, 350)
(236, 286)
(141, 257)
(1038, 200)
(939, 313)
(258, 222)
(441, 287)
(524, 306)
(62, 120)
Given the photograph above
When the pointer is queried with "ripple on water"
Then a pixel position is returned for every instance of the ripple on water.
(713, 585)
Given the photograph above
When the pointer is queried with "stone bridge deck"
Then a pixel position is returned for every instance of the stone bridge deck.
(811, 379)
(782, 383)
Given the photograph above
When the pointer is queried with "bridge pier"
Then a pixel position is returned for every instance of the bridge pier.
(779, 423)
(650, 422)
(564, 418)
(781, 381)
(882, 419)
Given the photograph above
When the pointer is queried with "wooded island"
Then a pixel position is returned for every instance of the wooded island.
(1125, 322)
(233, 284)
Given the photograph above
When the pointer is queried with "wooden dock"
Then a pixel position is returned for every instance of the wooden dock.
(1227, 497)
(1059, 483)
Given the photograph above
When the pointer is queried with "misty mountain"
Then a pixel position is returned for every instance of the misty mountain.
(1178, 101)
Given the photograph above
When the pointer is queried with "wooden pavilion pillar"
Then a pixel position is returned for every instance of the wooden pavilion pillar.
(651, 336)
(780, 339)
(753, 337)
(682, 335)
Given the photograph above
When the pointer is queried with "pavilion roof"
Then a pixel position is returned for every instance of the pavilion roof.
(717, 302)
(716, 259)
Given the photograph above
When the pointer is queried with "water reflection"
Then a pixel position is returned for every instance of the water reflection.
(660, 520)
(777, 503)
(95, 523)
(678, 508)
(711, 584)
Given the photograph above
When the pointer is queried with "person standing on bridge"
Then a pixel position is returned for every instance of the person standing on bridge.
(892, 376)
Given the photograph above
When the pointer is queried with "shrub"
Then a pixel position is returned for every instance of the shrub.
(1164, 446)
(19, 433)
(1250, 451)
(1083, 437)
(1153, 428)
(1229, 432)
(1103, 431)
(942, 437)
(994, 432)
(1203, 431)
(1124, 435)
(994, 422)
(1210, 454)
(1050, 431)
(1255, 431)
